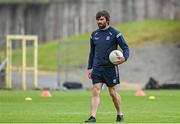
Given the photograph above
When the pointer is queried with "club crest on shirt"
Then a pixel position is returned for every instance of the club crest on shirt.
(108, 38)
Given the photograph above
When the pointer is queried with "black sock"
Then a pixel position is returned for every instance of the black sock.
(92, 117)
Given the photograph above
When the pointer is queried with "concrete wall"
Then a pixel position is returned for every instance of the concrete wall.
(62, 18)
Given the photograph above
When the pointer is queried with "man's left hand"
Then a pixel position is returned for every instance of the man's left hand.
(120, 60)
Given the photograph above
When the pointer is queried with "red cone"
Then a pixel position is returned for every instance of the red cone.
(46, 93)
(140, 93)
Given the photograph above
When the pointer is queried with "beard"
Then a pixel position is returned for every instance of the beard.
(101, 26)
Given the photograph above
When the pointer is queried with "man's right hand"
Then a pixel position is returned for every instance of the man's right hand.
(89, 72)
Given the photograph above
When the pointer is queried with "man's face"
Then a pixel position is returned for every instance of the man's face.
(101, 22)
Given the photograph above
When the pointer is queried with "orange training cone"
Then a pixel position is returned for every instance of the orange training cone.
(140, 93)
(46, 93)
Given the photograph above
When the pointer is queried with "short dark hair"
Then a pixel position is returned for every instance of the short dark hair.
(103, 13)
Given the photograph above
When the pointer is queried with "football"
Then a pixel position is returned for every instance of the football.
(114, 54)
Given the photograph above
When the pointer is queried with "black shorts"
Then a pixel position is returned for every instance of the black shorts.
(107, 75)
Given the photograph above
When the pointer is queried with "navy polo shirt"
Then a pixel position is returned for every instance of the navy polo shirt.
(102, 42)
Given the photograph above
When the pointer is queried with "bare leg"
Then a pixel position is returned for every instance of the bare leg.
(116, 99)
(95, 98)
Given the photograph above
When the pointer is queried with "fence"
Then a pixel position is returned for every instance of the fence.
(72, 61)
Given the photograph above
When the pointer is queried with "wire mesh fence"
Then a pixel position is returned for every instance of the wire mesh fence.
(72, 62)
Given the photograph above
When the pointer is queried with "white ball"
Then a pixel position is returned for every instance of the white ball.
(113, 56)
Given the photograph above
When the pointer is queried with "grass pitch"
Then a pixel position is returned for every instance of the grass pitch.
(74, 106)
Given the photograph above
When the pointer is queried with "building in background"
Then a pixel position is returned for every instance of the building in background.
(54, 19)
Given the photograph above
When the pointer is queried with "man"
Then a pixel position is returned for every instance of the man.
(100, 69)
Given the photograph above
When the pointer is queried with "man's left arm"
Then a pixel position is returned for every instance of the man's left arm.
(123, 45)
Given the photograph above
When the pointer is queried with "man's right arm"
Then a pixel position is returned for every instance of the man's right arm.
(91, 54)
(91, 57)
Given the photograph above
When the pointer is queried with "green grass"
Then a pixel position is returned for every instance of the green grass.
(74, 106)
(136, 33)
(73, 53)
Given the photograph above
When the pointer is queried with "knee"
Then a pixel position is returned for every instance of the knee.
(96, 91)
(112, 93)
